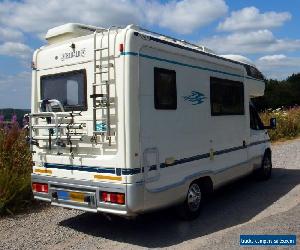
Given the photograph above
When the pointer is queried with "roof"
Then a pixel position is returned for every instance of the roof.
(239, 58)
(69, 30)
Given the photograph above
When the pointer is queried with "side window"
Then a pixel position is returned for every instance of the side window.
(226, 97)
(255, 121)
(165, 92)
(254, 72)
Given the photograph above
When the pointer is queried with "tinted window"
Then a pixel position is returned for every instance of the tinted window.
(69, 88)
(226, 97)
(254, 72)
(165, 93)
(255, 121)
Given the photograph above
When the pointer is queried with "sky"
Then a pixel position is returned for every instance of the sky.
(267, 32)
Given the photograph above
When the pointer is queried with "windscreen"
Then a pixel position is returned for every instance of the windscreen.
(69, 88)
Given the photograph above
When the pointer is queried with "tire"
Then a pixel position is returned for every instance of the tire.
(265, 171)
(191, 207)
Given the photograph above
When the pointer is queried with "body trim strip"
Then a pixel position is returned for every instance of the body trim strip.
(130, 53)
(133, 171)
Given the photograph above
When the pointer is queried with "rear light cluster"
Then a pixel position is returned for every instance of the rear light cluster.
(40, 187)
(116, 198)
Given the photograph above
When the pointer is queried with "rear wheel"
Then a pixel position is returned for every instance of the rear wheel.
(190, 209)
(265, 171)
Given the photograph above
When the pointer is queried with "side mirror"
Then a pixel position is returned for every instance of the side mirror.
(272, 125)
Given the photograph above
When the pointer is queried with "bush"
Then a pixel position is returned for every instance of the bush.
(285, 93)
(288, 122)
(15, 169)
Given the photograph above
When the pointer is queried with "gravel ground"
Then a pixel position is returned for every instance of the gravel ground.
(245, 207)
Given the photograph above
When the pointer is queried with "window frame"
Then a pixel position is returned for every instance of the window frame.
(227, 81)
(257, 121)
(84, 107)
(157, 105)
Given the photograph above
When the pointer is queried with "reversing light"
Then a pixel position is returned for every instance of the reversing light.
(116, 198)
(121, 47)
(40, 187)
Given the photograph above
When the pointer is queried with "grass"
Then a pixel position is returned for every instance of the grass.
(15, 169)
(288, 123)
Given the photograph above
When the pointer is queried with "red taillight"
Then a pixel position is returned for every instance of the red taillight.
(113, 197)
(40, 187)
(121, 47)
(103, 196)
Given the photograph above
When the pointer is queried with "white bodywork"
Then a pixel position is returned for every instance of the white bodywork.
(154, 154)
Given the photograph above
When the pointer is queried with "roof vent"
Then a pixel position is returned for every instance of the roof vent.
(68, 31)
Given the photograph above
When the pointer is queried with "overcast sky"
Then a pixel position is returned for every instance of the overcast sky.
(265, 31)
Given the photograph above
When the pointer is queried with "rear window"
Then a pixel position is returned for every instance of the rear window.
(68, 88)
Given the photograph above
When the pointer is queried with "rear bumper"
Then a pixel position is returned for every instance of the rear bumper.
(134, 195)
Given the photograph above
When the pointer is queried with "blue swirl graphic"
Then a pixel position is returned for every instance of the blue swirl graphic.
(195, 98)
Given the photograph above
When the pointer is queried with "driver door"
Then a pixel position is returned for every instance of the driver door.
(258, 135)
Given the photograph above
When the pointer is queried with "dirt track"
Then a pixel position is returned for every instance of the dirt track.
(245, 207)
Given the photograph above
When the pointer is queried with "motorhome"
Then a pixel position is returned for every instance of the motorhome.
(125, 120)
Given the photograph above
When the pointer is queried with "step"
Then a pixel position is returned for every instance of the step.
(106, 58)
(99, 73)
(99, 95)
(110, 65)
(112, 81)
(100, 49)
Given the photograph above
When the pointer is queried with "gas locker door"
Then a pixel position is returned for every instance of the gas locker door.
(151, 166)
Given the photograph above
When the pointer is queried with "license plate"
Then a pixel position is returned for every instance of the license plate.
(70, 196)
(63, 195)
(76, 196)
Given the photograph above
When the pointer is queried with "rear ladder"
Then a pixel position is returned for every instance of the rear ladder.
(103, 78)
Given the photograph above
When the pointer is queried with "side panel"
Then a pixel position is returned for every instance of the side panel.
(189, 141)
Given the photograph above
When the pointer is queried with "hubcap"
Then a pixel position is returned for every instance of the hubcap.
(194, 197)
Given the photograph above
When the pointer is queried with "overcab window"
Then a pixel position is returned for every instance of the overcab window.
(165, 93)
(226, 97)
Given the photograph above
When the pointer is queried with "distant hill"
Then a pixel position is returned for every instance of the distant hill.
(8, 113)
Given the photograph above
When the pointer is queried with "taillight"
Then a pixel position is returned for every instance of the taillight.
(40, 187)
(116, 198)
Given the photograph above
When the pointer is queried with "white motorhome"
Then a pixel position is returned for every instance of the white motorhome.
(125, 121)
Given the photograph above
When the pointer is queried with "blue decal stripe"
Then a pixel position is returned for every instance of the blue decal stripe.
(206, 155)
(259, 142)
(81, 168)
(133, 171)
(198, 52)
(178, 63)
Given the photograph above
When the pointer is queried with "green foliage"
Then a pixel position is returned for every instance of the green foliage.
(288, 123)
(15, 169)
(279, 94)
(8, 114)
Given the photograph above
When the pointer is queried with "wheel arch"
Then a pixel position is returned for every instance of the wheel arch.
(206, 184)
